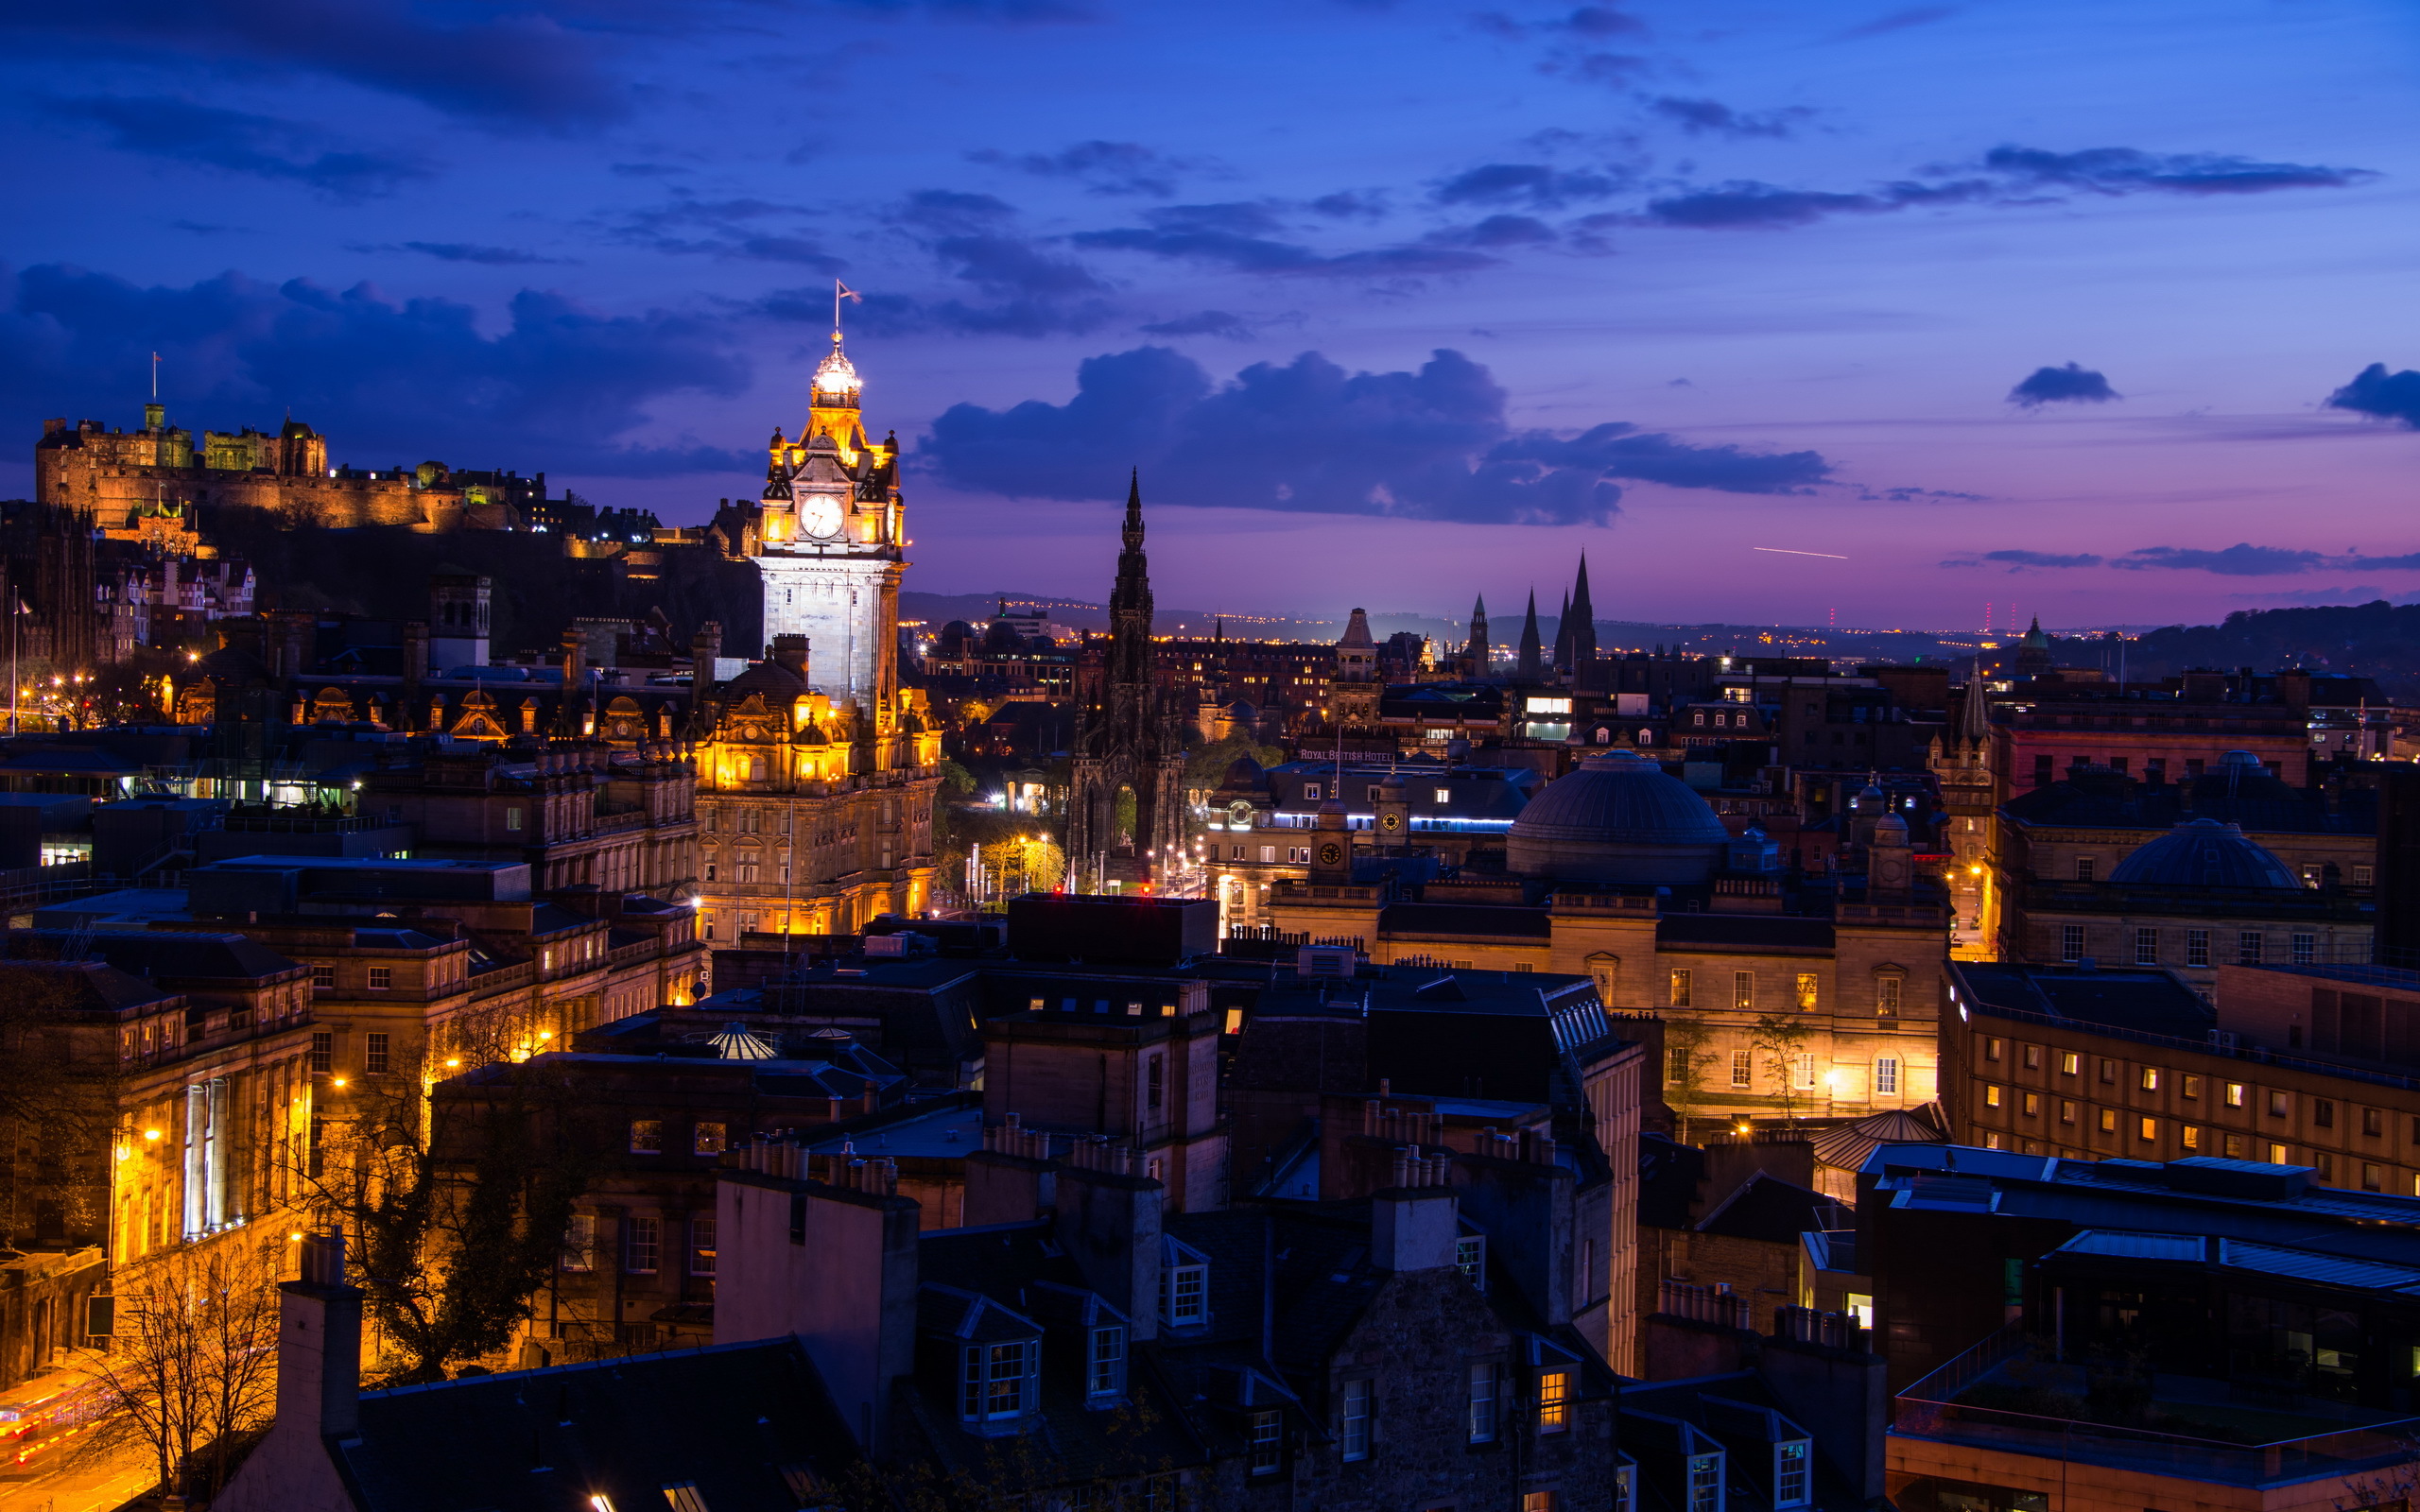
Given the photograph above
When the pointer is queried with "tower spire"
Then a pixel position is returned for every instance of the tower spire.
(1529, 668)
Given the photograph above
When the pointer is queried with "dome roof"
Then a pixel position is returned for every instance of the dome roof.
(1244, 775)
(2205, 854)
(1618, 818)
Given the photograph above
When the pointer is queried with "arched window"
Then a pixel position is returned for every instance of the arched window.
(756, 769)
(1646, 737)
(1604, 736)
(1698, 719)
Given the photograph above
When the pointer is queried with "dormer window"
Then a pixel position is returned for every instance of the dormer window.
(997, 1381)
(1789, 1473)
(1310, 792)
(1470, 1257)
(1185, 1295)
(1105, 1363)
(1705, 1482)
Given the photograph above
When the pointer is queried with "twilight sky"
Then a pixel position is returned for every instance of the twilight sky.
(2062, 306)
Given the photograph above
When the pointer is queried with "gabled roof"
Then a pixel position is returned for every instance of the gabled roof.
(748, 1425)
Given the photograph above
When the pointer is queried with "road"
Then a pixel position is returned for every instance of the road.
(41, 1424)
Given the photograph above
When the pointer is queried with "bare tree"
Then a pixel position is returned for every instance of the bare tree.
(194, 1369)
(1781, 1037)
(458, 1191)
(1685, 1056)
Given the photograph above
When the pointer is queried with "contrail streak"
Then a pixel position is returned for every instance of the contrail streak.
(1786, 551)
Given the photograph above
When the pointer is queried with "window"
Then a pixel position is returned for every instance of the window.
(2247, 947)
(2197, 947)
(2373, 1123)
(2373, 1179)
(1742, 1068)
(2109, 1121)
(323, 1050)
(2362, 876)
(382, 978)
(1544, 1500)
(2189, 1088)
(1802, 1072)
(683, 1496)
(1680, 989)
(1554, 1400)
(1105, 1363)
(1625, 1490)
(2083, 868)
(580, 1242)
(1470, 1257)
(2071, 942)
(1806, 991)
(323, 979)
(1994, 1142)
(1482, 1414)
(1357, 1421)
(1705, 1482)
(701, 1245)
(642, 1241)
(2066, 1111)
(1886, 1076)
(646, 1135)
(2108, 1071)
(512, 817)
(2146, 947)
(996, 1380)
(1743, 990)
(2322, 1113)
(2031, 1107)
(1310, 792)
(2190, 1135)
(2070, 1063)
(1886, 997)
(1444, 795)
(706, 1139)
(1994, 1049)
(2150, 1078)
(2277, 1105)
(373, 1052)
(1789, 1473)
(2278, 1155)
(1188, 1288)
(2235, 1094)
(1154, 1078)
(1268, 1442)
(1677, 1067)
(2034, 1058)
(2149, 1130)
(1991, 1094)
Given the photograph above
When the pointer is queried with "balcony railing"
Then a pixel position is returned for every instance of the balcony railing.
(2353, 1441)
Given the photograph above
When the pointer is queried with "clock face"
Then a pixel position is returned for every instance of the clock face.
(820, 518)
(1330, 854)
(1392, 821)
(1239, 815)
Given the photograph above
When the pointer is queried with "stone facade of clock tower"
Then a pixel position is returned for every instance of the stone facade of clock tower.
(832, 540)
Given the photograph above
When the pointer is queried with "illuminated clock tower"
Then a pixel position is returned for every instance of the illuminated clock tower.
(831, 545)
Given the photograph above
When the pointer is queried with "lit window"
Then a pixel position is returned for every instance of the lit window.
(1886, 997)
(701, 1246)
(1470, 1257)
(1681, 989)
(1742, 1068)
(646, 1135)
(2149, 1130)
(2235, 1094)
(2109, 1121)
(683, 1497)
(1554, 1401)
(1886, 1076)
(2070, 1063)
(1743, 990)
(1807, 991)
(1444, 795)
(1991, 1094)
(706, 1139)
(2150, 1078)
(1356, 1419)
(1537, 1501)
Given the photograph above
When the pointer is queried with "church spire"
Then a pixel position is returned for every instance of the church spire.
(1475, 653)
(1529, 668)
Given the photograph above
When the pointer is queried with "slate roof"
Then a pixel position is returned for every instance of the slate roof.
(171, 954)
(2147, 1001)
(1742, 932)
(1465, 918)
(1766, 1206)
(726, 1420)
